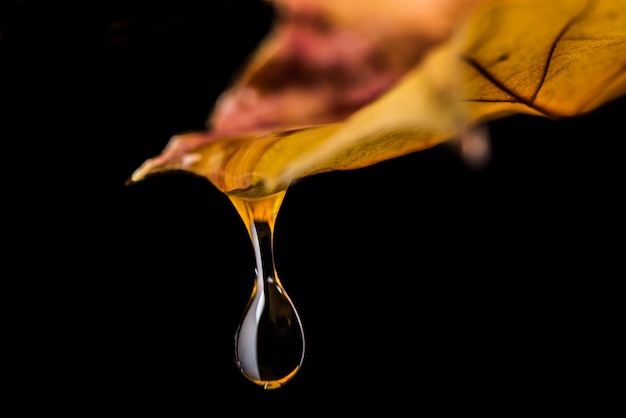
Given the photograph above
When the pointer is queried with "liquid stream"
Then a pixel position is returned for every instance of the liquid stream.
(269, 342)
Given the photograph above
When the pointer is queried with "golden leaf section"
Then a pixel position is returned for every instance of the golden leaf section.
(553, 59)
(550, 58)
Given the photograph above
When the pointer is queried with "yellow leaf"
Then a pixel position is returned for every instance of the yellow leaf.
(553, 58)
(556, 58)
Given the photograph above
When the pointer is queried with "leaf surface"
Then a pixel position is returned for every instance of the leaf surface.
(554, 58)
(558, 58)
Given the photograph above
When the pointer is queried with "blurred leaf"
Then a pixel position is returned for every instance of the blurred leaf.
(558, 58)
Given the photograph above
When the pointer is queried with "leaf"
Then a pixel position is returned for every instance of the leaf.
(553, 59)
(325, 59)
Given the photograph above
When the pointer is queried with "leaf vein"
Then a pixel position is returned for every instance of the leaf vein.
(558, 38)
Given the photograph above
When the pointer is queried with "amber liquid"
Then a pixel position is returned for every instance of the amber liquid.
(269, 342)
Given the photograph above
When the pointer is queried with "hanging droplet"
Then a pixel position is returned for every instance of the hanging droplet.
(269, 342)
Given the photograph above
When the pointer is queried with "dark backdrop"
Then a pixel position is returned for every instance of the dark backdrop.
(421, 283)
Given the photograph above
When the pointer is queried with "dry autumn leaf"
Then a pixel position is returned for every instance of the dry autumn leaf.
(489, 60)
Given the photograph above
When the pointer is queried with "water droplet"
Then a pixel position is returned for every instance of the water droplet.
(269, 342)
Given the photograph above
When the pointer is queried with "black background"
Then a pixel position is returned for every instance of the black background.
(421, 283)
